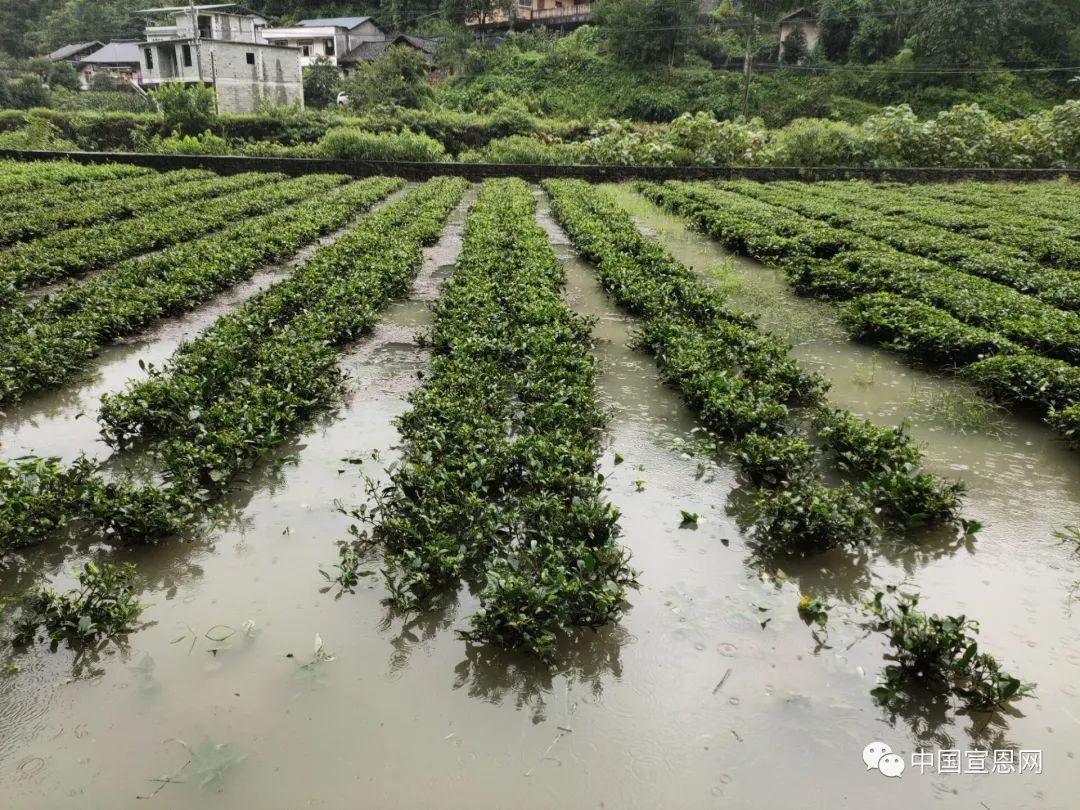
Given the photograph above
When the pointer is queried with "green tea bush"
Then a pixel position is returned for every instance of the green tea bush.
(176, 144)
(817, 142)
(105, 605)
(939, 654)
(348, 143)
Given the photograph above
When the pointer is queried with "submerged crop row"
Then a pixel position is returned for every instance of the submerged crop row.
(235, 392)
(848, 211)
(935, 313)
(744, 386)
(77, 250)
(1046, 241)
(498, 481)
(45, 342)
(133, 197)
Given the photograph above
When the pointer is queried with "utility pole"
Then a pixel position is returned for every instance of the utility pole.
(195, 31)
(748, 67)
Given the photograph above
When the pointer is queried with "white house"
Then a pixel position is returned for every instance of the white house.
(221, 46)
(326, 39)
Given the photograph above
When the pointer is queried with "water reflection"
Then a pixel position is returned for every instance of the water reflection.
(494, 675)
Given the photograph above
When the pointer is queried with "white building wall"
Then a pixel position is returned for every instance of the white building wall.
(229, 27)
(323, 42)
(275, 75)
(240, 72)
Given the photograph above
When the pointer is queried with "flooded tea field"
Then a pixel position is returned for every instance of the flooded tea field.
(322, 492)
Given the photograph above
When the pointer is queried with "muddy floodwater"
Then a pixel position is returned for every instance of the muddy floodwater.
(710, 692)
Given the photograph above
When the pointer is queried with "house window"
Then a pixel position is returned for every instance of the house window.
(250, 58)
(186, 55)
(328, 47)
(305, 47)
(149, 58)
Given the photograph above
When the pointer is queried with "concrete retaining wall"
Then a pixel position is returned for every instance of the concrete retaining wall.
(480, 171)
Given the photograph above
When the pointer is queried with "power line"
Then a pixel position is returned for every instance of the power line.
(917, 71)
(744, 24)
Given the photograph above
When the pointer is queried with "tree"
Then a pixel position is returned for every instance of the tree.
(865, 31)
(83, 20)
(62, 74)
(948, 33)
(398, 78)
(28, 92)
(460, 11)
(452, 52)
(753, 20)
(647, 32)
(187, 110)
(403, 15)
(794, 48)
(321, 82)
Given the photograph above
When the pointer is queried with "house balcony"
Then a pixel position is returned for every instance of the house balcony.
(157, 33)
(523, 16)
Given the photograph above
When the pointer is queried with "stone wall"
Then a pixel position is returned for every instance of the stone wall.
(480, 171)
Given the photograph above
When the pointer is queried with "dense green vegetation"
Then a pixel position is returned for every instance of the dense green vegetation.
(45, 342)
(746, 388)
(1020, 332)
(583, 76)
(978, 89)
(498, 482)
(248, 382)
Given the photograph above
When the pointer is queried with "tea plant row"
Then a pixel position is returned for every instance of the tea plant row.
(133, 197)
(498, 481)
(78, 250)
(937, 655)
(237, 391)
(44, 343)
(1050, 243)
(744, 386)
(933, 312)
(977, 256)
(17, 177)
(54, 195)
(1049, 202)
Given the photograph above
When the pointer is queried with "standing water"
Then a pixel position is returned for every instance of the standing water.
(710, 692)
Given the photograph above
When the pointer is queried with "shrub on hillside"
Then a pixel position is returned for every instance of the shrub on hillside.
(349, 143)
(817, 142)
(186, 109)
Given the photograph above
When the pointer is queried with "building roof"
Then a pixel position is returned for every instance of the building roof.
(61, 54)
(115, 53)
(798, 14)
(367, 51)
(220, 8)
(420, 43)
(334, 22)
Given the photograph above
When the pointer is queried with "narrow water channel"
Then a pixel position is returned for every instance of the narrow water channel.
(62, 422)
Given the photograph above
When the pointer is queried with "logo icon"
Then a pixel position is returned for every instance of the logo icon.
(880, 757)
